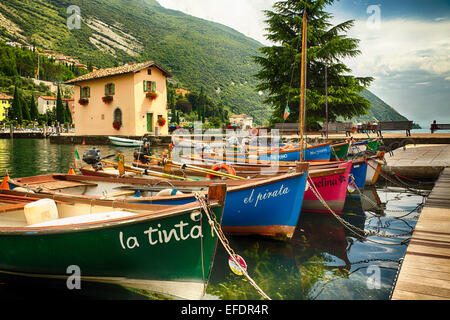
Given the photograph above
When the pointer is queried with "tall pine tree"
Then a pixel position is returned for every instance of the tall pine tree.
(15, 112)
(34, 113)
(326, 45)
(60, 111)
(68, 117)
(25, 109)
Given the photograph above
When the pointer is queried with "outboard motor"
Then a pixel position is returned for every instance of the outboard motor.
(93, 158)
(143, 151)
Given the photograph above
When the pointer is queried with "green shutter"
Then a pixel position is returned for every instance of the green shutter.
(88, 92)
(145, 85)
(113, 88)
(154, 86)
(106, 89)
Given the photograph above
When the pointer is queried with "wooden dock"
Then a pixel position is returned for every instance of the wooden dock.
(425, 271)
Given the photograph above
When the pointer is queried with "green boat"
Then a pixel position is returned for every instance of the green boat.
(339, 151)
(164, 249)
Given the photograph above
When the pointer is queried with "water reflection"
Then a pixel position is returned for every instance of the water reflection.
(324, 260)
(28, 157)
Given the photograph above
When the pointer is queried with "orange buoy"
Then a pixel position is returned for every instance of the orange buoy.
(5, 184)
(71, 171)
(254, 132)
(84, 143)
(221, 166)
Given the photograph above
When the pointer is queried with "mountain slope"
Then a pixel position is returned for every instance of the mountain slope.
(379, 111)
(198, 52)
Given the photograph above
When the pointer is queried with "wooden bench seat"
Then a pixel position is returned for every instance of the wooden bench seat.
(394, 125)
(440, 126)
(338, 127)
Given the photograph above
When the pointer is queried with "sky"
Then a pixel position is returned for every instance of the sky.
(405, 46)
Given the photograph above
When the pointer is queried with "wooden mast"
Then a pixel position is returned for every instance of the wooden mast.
(303, 83)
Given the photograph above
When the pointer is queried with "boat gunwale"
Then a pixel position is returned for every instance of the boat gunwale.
(170, 210)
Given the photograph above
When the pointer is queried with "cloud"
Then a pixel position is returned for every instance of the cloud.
(401, 45)
(246, 16)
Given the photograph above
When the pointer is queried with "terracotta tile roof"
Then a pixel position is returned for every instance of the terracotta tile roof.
(54, 98)
(243, 115)
(5, 97)
(109, 72)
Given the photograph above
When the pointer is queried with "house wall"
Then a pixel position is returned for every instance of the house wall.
(5, 104)
(145, 105)
(97, 117)
(43, 105)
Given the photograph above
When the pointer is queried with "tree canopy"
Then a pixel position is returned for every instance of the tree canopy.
(327, 45)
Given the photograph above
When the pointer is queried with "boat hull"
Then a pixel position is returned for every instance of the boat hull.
(359, 173)
(339, 151)
(158, 254)
(332, 188)
(313, 153)
(125, 142)
(269, 210)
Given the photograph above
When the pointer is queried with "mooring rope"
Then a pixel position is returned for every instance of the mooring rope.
(353, 228)
(215, 226)
(403, 185)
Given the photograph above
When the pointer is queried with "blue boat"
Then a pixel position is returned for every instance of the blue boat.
(320, 152)
(359, 172)
(268, 207)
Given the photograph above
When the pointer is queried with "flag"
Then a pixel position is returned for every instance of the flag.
(287, 112)
(77, 157)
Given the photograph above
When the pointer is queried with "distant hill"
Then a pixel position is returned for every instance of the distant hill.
(379, 111)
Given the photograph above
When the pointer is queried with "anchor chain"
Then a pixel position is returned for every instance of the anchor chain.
(215, 225)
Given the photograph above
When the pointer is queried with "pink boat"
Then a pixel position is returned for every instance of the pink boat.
(332, 186)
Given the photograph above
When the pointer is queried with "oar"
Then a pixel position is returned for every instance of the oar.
(148, 172)
(197, 169)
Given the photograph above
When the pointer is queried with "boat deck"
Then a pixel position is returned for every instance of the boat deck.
(425, 271)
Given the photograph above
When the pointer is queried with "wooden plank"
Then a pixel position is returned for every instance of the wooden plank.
(418, 272)
(418, 286)
(407, 295)
(425, 271)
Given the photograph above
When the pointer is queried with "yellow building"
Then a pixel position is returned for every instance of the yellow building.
(130, 100)
(5, 104)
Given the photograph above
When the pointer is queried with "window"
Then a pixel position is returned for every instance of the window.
(149, 71)
(109, 89)
(118, 115)
(85, 92)
(149, 86)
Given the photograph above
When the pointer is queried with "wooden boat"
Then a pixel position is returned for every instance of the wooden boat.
(165, 249)
(339, 151)
(332, 185)
(331, 178)
(360, 147)
(374, 165)
(321, 152)
(117, 141)
(359, 173)
(252, 206)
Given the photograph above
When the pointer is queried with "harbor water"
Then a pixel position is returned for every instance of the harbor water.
(329, 258)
